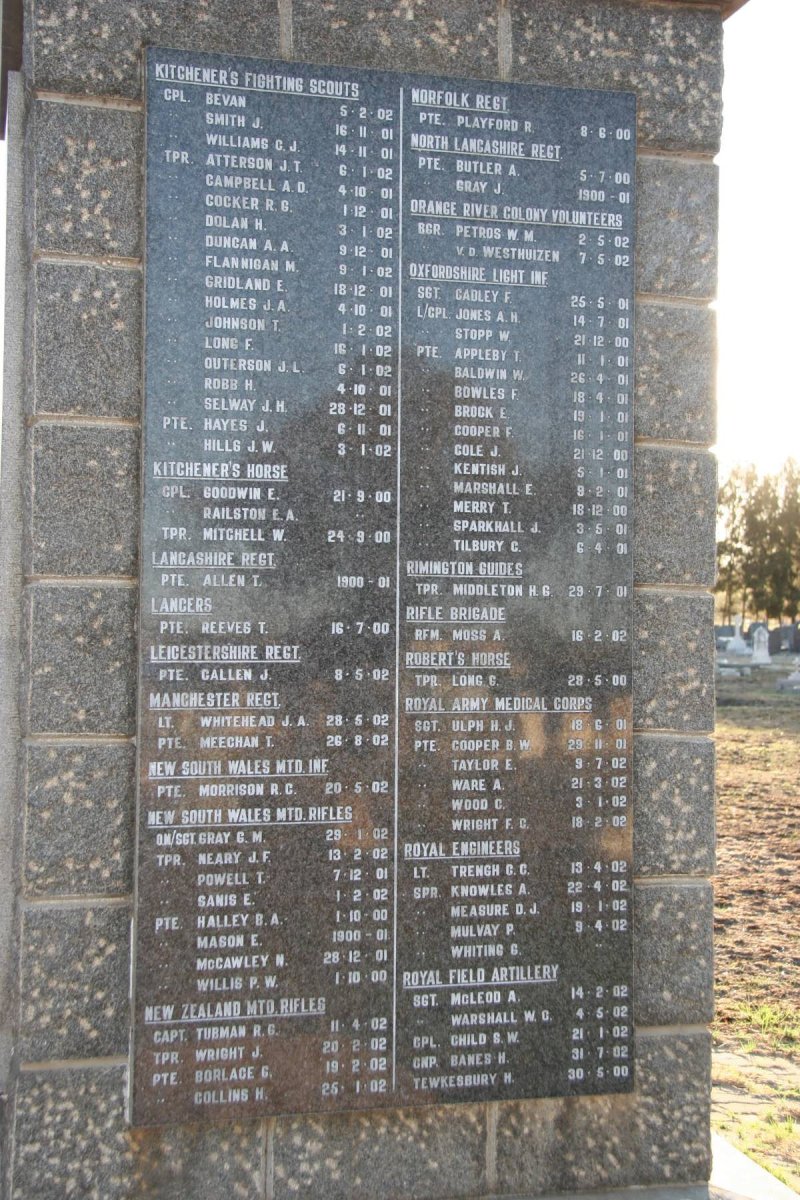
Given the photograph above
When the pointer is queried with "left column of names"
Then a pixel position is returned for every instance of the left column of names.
(268, 625)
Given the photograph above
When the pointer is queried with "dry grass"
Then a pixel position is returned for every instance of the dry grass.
(758, 920)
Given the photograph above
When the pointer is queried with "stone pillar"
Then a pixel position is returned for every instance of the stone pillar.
(69, 570)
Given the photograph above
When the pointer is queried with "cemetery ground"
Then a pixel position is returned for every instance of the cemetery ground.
(756, 1072)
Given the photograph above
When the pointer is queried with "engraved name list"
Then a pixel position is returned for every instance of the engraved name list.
(384, 821)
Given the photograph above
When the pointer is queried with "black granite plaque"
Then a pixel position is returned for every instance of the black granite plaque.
(384, 843)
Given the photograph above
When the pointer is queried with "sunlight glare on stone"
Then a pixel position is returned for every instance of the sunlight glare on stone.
(758, 389)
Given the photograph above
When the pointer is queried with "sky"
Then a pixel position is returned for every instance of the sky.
(758, 387)
(758, 308)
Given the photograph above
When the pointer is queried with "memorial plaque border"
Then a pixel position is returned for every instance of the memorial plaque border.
(420, 405)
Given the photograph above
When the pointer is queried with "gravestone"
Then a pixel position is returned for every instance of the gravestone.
(165, 633)
(792, 682)
(737, 644)
(761, 647)
(784, 638)
(723, 635)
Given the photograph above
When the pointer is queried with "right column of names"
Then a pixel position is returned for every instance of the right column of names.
(514, 834)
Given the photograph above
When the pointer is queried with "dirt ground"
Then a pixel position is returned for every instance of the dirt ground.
(757, 1029)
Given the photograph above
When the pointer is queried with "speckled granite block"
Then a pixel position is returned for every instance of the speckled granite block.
(674, 818)
(79, 820)
(671, 59)
(71, 1140)
(673, 954)
(676, 240)
(403, 1154)
(399, 35)
(658, 1134)
(85, 501)
(82, 671)
(673, 661)
(675, 346)
(87, 177)
(74, 983)
(70, 1135)
(95, 47)
(87, 341)
(675, 512)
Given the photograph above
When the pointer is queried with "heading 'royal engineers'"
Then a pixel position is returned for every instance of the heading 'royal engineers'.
(384, 838)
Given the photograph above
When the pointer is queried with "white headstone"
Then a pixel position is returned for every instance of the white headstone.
(737, 644)
(761, 647)
(792, 682)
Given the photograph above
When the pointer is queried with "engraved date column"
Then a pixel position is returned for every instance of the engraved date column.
(359, 554)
